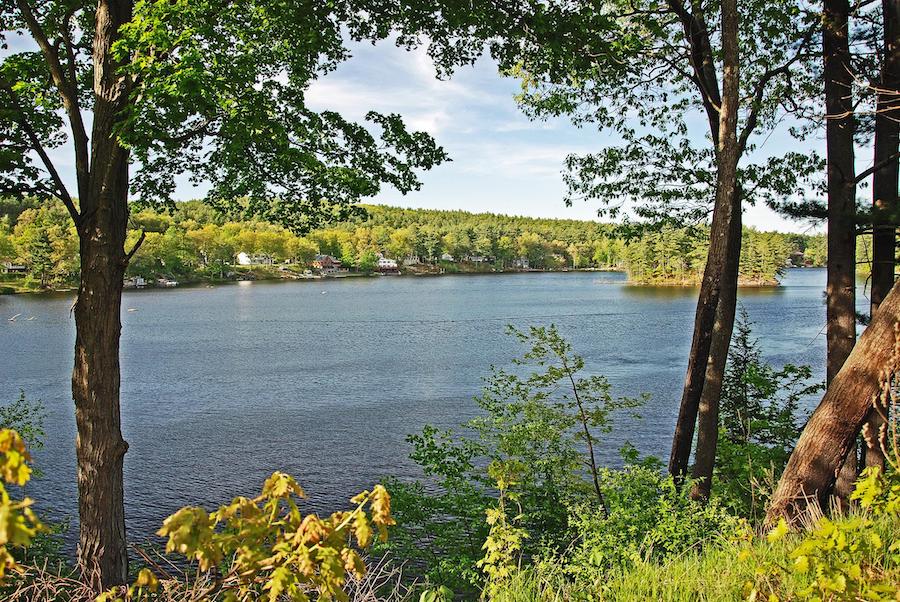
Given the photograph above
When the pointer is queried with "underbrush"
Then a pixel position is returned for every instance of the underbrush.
(738, 570)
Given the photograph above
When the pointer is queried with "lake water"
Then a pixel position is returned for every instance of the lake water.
(324, 379)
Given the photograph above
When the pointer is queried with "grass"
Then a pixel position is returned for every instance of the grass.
(724, 573)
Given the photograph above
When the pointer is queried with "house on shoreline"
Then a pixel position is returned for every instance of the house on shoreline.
(326, 264)
(12, 268)
(387, 265)
(244, 258)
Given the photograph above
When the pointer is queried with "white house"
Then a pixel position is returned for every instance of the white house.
(446, 257)
(245, 259)
(386, 265)
(12, 268)
(521, 263)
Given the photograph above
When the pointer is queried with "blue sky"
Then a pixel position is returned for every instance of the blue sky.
(501, 161)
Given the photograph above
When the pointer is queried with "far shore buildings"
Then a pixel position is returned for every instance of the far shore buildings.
(247, 259)
(12, 268)
(387, 265)
(328, 264)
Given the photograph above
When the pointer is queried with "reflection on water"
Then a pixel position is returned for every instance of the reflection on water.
(223, 385)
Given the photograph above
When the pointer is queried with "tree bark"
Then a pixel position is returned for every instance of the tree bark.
(708, 418)
(728, 154)
(884, 195)
(840, 125)
(831, 431)
(100, 448)
(839, 129)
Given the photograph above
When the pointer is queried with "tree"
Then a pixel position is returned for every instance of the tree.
(208, 88)
(367, 262)
(532, 247)
(402, 242)
(885, 182)
(7, 248)
(301, 250)
(759, 421)
(839, 130)
(212, 245)
(458, 243)
(831, 432)
(37, 255)
(632, 67)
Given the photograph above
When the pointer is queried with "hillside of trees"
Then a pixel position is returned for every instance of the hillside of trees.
(194, 243)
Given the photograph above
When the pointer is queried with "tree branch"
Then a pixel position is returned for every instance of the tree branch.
(760, 88)
(702, 63)
(135, 248)
(70, 50)
(22, 120)
(68, 92)
(883, 163)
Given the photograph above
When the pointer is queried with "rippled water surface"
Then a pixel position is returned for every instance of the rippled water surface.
(324, 379)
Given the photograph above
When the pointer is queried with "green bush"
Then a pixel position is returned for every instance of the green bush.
(544, 416)
(759, 423)
(649, 520)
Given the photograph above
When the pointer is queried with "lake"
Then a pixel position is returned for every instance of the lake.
(324, 379)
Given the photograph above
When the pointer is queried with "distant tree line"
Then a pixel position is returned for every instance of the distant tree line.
(195, 242)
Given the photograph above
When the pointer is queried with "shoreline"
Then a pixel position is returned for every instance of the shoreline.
(275, 277)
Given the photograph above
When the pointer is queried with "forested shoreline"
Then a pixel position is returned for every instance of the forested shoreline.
(193, 243)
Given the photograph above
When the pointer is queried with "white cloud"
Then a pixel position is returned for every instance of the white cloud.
(390, 79)
(513, 160)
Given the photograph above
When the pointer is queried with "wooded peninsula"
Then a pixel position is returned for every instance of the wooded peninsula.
(194, 243)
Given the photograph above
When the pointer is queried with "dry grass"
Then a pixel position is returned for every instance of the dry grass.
(383, 582)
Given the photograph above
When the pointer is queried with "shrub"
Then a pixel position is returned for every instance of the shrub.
(18, 523)
(265, 548)
(760, 422)
(544, 416)
(649, 520)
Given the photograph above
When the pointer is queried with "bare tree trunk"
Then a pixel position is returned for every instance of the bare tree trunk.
(884, 195)
(100, 448)
(708, 418)
(839, 128)
(831, 431)
(720, 240)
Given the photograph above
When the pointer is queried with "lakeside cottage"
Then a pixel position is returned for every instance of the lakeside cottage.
(327, 264)
(246, 259)
(12, 268)
(136, 282)
(387, 265)
(446, 257)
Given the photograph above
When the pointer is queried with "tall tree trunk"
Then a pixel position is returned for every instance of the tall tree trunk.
(727, 156)
(884, 195)
(100, 448)
(708, 418)
(839, 129)
(831, 431)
